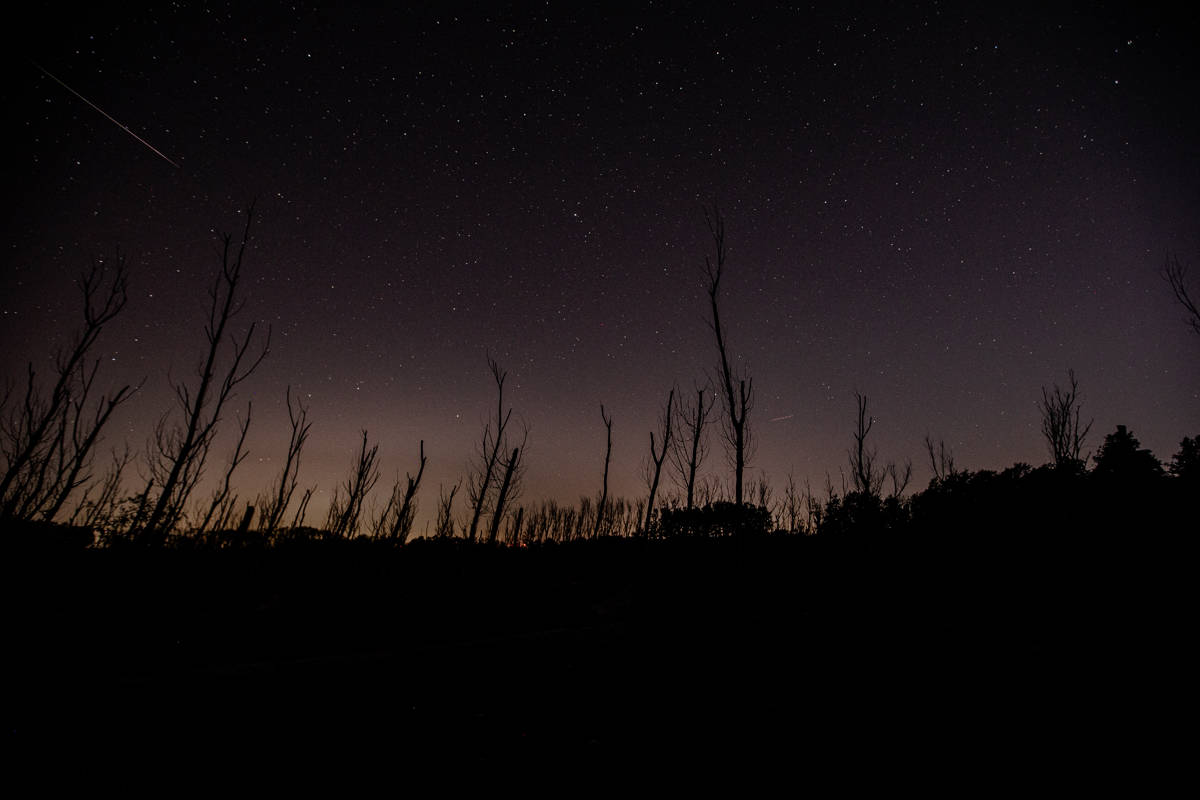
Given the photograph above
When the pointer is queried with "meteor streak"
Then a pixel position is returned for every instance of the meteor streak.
(125, 128)
(780, 419)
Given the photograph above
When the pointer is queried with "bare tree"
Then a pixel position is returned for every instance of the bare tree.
(792, 507)
(900, 477)
(691, 446)
(510, 466)
(345, 511)
(738, 389)
(100, 511)
(47, 439)
(220, 509)
(180, 450)
(865, 475)
(302, 508)
(444, 526)
(485, 475)
(396, 521)
(607, 419)
(274, 505)
(1062, 426)
(941, 459)
(657, 455)
(1175, 274)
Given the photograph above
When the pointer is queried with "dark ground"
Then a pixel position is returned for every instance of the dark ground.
(790, 649)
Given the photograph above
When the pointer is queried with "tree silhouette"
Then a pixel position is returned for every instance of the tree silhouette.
(1185, 464)
(690, 448)
(864, 474)
(396, 521)
(657, 455)
(345, 509)
(941, 459)
(1122, 458)
(482, 482)
(444, 526)
(600, 508)
(47, 439)
(738, 389)
(275, 505)
(1175, 274)
(221, 506)
(503, 494)
(180, 450)
(1061, 424)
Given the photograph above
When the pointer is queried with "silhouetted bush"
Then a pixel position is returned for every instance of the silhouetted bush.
(716, 519)
(1123, 463)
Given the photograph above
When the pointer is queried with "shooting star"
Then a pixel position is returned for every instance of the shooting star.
(781, 419)
(125, 128)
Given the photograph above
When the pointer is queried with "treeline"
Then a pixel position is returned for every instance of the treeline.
(52, 488)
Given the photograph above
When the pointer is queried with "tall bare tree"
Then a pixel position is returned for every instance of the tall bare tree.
(657, 455)
(738, 389)
(1175, 274)
(607, 419)
(181, 449)
(1062, 424)
(48, 437)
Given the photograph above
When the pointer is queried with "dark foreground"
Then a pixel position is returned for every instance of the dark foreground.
(783, 649)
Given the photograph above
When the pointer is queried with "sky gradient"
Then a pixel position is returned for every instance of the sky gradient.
(940, 207)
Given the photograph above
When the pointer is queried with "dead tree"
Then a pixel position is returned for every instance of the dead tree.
(738, 389)
(657, 455)
(1062, 424)
(100, 511)
(345, 511)
(444, 526)
(485, 474)
(502, 495)
(792, 507)
(302, 509)
(691, 446)
(607, 419)
(900, 477)
(401, 510)
(47, 439)
(220, 509)
(275, 505)
(864, 474)
(941, 459)
(1175, 274)
(180, 449)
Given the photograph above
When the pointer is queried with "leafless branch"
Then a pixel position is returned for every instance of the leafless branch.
(1175, 274)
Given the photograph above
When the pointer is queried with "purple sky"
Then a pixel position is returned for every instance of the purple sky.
(940, 207)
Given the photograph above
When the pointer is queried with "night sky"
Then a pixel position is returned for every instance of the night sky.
(941, 207)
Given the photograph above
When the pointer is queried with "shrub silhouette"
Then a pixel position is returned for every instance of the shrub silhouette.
(716, 519)
(1122, 459)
